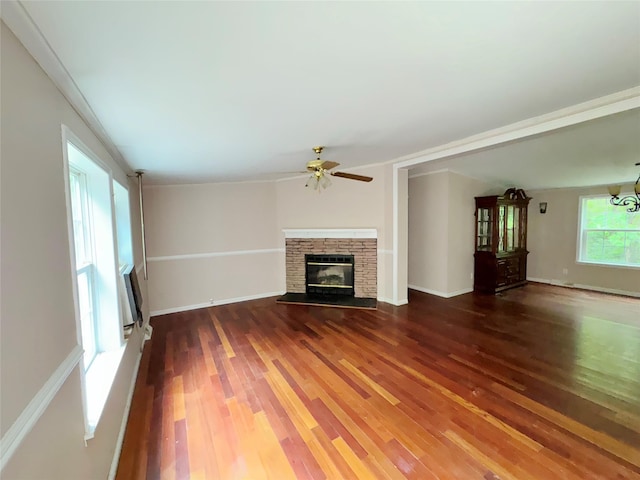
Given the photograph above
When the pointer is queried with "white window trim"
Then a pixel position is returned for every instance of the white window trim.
(106, 363)
(579, 239)
(89, 269)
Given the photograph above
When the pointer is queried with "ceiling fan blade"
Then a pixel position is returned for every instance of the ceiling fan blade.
(328, 165)
(352, 176)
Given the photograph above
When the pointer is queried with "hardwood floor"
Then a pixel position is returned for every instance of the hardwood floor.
(536, 383)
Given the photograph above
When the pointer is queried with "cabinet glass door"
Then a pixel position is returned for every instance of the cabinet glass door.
(516, 228)
(501, 228)
(523, 228)
(510, 228)
(483, 240)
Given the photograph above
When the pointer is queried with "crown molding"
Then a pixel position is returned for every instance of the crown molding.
(16, 17)
(424, 174)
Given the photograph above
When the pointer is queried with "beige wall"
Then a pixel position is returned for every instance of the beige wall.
(220, 217)
(385, 249)
(462, 191)
(38, 329)
(217, 243)
(428, 231)
(181, 284)
(212, 219)
(345, 204)
(441, 229)
(552, 242)
(220, 240)
(400, 278)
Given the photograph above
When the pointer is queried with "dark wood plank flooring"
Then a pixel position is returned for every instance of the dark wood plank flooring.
(539, 382)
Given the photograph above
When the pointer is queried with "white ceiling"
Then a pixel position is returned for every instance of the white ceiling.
(218, 91)
(598, 152)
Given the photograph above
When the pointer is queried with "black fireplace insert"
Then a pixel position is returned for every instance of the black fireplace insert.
(329, 274)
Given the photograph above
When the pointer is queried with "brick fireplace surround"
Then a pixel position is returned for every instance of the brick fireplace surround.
(361, 243)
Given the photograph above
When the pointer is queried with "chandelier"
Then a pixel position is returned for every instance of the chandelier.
(632, 202)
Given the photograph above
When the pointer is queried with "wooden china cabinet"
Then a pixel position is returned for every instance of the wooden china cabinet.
(501, 241)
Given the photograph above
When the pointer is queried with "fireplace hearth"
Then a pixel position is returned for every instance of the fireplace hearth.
(333, 267)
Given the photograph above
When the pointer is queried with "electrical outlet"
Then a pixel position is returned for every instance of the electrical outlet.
(565, 271)
(211, 301)
(471, 275)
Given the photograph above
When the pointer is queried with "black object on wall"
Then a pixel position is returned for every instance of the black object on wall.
(133, 293)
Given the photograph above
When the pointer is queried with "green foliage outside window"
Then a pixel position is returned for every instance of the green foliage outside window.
(609, 234)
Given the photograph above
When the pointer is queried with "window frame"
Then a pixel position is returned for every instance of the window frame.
(581, 240)
(86, 266)
(96, 379)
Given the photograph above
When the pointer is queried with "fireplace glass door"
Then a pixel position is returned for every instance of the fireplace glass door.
(329, 274)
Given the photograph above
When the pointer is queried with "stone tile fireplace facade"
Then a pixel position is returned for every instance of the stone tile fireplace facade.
(361, 243)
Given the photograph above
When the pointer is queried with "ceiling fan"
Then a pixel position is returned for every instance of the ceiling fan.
(320, 172)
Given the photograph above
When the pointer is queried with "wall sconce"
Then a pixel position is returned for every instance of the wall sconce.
(543, 207)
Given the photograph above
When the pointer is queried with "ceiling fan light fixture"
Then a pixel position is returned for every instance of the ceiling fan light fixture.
(319, 181)
(630, 202)
(325, 181)
(321, 170)
(311, 181)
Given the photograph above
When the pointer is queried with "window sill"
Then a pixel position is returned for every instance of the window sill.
(608, 265)
(98, 381)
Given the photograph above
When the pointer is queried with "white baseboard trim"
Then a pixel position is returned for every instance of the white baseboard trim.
(439, 293)
(428, 290)
(16, 434)
(592, 288)
(460, 292)
(215, 303)
(123, 425)
(400, 302)
(184, 308)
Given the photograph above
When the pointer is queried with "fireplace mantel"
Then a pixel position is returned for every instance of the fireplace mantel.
(330, 233)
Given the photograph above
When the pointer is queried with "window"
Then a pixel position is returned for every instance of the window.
(100, 244)
(608, 235)
(85, 266)
(123, 225)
